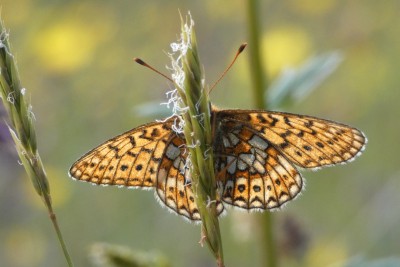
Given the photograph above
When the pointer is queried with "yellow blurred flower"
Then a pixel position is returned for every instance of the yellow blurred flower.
(65, 46)
(284, 46)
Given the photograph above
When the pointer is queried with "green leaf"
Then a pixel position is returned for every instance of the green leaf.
(293, 85)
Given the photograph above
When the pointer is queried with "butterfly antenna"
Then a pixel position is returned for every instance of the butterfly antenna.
(141, 62)
(239, 51)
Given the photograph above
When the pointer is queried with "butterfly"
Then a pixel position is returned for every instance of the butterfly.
(256, 155)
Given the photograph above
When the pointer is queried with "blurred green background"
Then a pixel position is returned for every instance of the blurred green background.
(75, 59)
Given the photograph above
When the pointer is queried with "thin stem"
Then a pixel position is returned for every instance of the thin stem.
(260, 85)
(260, 81)
(53, 219)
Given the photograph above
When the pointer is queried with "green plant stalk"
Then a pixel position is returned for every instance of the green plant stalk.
(260, 84)
(199, 140)
(22, 130)
(260, 80)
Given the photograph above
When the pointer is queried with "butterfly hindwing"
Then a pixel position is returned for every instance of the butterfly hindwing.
(174, 186)
(253, 174)
(173, 181)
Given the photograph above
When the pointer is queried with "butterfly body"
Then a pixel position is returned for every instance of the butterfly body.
(255, 152)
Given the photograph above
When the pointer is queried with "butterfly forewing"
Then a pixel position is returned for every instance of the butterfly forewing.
(130, 159)
(306, 141)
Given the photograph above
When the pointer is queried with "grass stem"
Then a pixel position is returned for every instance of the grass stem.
(260, 85)
(199, 139)
(22, 130)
